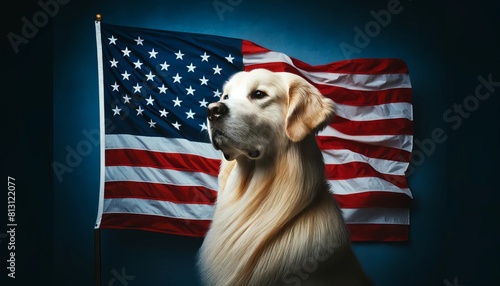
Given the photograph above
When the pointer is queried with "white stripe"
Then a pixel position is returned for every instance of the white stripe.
(159, 208)
(365, 184)
(100, 73)
(375, 112)
(369, 82)
(384, 166)
(161, 144)
(377, 216)
(205, 212)
(160, 176)
(403, 142)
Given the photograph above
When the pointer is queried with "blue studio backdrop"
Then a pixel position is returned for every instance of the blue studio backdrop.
(451, 50)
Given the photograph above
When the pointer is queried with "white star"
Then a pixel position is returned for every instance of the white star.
(164, 66)
(163, 112)
(125, 75)
(179, 55)
(217, 69)
(126, 99)
(137, 64)
(152, 124)
(112, 40)
(115, 86)
(190, 114)
(152, 54)
(204, 81)
(139, 41)
(177, 78)
(191, 67)
(217, 93)
(177, 102)
(139, 110)
(190, 90)
(203, 126)
(204, 57)
(229, 58)
(126, 52)
(203, 103)
(150, 100)
(116, 111)
(176, 125)
(137, 88)
(114, 63)
(150, 76)
(163, 89)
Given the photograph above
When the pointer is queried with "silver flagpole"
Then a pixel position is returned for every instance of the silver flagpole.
(97, 230)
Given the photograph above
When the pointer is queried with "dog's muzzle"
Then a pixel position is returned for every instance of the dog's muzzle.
(215, 110)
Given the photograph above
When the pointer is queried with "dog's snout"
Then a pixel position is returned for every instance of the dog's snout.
(215, 110)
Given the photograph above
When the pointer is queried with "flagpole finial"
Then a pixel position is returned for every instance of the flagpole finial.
(98, 17)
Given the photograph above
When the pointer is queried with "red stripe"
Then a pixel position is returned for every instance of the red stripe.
(175, 161)
(355, 66)
(365, 98)
(162, 192)
(196, 228)
(379, 232)
(248, 47)
(372, 151)
(353, 170)
(199, 195)
(391, 126)
(374, 200)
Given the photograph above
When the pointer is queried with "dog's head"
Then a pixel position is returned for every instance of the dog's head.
(261, 111)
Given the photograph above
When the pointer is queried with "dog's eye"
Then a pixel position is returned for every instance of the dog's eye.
(225, 96)
(258, 94)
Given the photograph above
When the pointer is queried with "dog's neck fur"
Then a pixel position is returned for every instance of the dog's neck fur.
(251, 197)
(279, 166)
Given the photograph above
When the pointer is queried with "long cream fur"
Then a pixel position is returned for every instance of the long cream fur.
(276, 222)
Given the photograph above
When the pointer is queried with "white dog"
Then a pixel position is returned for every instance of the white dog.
(275, 222)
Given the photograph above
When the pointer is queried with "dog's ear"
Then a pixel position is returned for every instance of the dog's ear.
(308, 110)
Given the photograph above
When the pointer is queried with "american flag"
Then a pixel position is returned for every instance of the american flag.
(159, 170)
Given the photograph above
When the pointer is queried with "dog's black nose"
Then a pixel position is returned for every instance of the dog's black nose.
(215, 110)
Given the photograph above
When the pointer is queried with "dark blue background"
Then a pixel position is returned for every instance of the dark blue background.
(51, 94)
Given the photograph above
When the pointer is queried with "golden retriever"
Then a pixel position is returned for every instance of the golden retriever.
(275, 221)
